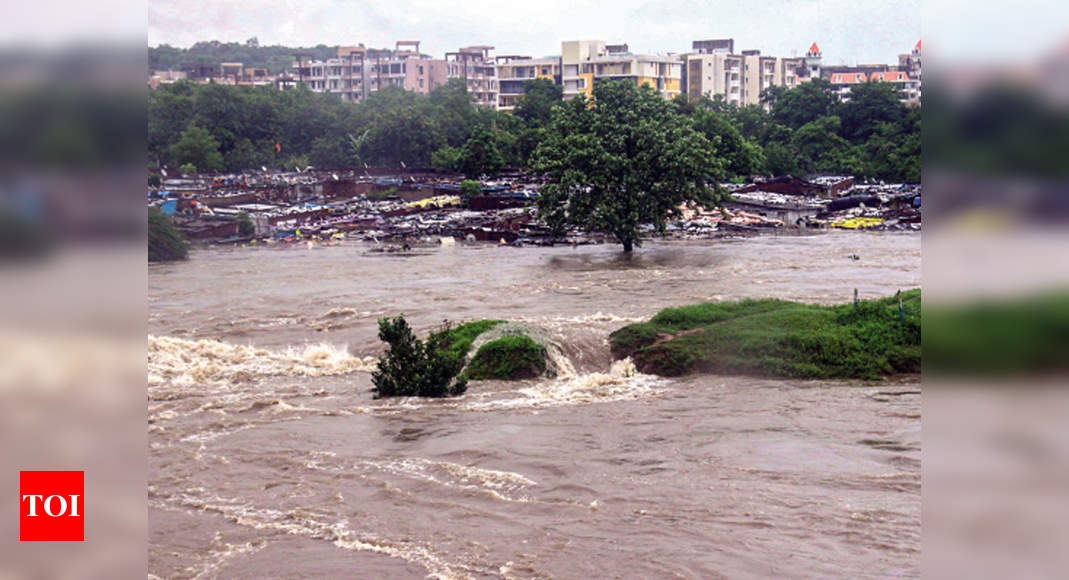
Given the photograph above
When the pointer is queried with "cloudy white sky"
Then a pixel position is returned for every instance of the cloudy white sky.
(848, 31)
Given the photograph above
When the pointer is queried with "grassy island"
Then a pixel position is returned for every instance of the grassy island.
(779, 338)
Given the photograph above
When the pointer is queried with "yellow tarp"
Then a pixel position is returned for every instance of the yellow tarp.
(857, 223)
(437, 201)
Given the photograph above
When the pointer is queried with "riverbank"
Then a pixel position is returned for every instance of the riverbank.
(779, 338)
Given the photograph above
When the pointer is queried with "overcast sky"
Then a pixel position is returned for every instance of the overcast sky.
(848, 31)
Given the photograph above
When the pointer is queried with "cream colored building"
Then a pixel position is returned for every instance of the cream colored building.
(513, 72)
(583, 62)
(740, 78)
(475, 64)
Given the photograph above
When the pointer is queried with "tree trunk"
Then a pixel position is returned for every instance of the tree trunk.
(628, 245)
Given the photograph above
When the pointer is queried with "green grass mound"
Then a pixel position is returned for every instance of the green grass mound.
(460, 338)
(508, 358)
(778, 338)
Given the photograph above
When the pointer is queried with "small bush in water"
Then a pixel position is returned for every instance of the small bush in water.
(413, 368)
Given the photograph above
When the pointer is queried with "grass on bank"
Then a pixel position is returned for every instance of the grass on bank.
(778, 338)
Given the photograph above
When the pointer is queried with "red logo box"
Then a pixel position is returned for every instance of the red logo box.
(52, 506)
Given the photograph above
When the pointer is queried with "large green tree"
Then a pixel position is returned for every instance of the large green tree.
(821, 150)
(480, 156)
(539, 98)
(870, 105)
(199, 148)
(805, 103)
(625, 159)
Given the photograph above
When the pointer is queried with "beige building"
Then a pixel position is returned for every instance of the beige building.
(475, 64)
(713, 69)
(583, 62)
(358, 71)
(911, 64)
(513, 72)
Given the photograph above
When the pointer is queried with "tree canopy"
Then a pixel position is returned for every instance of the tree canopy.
(625, 159)
(803, 130)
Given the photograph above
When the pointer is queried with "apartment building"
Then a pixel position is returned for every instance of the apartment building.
(911, 64)
(906, 76)
(358, 71)
(583, 62)
(714, 69)
(475, 64)
(228, 73)
(844, 81)
(423, 74)
(165, 77)
(513, 72)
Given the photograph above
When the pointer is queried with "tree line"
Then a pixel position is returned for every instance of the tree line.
(803, 130)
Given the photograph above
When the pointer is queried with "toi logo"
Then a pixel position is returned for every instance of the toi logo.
(52, 506)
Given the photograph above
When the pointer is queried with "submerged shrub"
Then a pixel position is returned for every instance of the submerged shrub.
(413, 368)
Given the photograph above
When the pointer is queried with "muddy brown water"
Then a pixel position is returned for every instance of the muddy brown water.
(269, 457)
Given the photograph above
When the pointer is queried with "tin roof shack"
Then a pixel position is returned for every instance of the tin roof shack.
(345, 188)
(183, 186)
(834, 185)
(489, 202)
(792, 210)
(228, 199)
(787, 185)
(207, 227)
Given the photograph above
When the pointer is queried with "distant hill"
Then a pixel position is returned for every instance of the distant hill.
(210, 53)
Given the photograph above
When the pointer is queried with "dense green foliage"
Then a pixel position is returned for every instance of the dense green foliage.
(262, 126)
(806, 130)
(275, 59)
(998, 337)
(631, 158)
(414, 368)
(470, 187)
(779, 338)
(197, 148)
(165, 242)
(508, 358)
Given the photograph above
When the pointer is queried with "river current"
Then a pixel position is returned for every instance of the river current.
(268, 456)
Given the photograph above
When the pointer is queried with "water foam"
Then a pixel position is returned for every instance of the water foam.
(623, 382)
(300, 522)
(182, 363)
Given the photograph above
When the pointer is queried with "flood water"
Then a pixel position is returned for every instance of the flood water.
(269, 458)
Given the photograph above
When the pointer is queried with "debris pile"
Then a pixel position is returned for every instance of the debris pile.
(418, 208)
